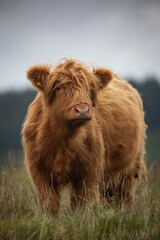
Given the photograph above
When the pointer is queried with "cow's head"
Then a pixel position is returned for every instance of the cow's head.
(69, 90)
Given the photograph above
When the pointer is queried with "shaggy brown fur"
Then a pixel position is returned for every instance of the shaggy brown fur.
(85, 128)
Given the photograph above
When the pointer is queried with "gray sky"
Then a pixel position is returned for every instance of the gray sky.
(122, 35)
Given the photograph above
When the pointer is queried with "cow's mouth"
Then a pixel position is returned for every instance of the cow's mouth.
(77, 122)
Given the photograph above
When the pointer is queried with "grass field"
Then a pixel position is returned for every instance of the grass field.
(21, 217)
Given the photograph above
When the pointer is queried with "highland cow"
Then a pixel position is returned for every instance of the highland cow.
(85, 129)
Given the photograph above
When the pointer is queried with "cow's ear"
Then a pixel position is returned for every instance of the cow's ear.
(104, 76)
(38, 76)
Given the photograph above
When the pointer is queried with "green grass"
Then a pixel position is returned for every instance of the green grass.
(21, 217)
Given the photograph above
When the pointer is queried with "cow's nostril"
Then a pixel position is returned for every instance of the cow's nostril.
(82, 110)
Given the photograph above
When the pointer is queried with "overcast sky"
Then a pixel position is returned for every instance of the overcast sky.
(119, 34)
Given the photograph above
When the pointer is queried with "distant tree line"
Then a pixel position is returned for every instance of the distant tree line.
(13, 108)
(150, 93)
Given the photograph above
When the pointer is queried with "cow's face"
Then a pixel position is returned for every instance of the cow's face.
(70, 90)
(69, 101)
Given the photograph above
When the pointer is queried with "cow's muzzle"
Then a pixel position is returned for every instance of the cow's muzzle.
(81, 114)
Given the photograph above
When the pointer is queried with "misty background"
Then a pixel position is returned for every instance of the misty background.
(122, 35)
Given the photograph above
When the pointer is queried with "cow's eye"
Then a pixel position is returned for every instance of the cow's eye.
(93, 97)
(57, 89)
(91, 93)
(56, 85)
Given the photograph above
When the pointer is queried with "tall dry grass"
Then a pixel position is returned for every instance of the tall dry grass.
(21, 217)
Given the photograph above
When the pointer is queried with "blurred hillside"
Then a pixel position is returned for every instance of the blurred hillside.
(13, 108)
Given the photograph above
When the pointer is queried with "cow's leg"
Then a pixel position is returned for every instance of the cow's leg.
(120, 191)
(49, 196)
(126, 190)
(49, 199)
(84, 178)
(84, 194)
